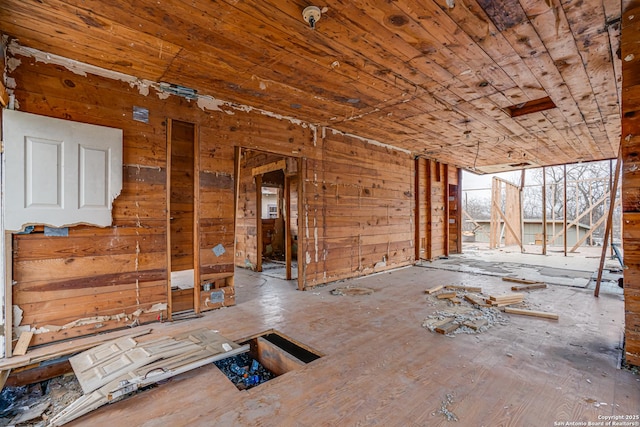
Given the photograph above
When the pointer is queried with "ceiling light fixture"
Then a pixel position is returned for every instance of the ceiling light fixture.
(311, 15)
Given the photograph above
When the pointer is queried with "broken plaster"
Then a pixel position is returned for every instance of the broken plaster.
(98, 321)
(204, 102)
(371, 141)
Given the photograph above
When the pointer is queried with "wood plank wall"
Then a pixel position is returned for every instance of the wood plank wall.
(106, 275)
(440, 219)
(356, 212)
(630, 176)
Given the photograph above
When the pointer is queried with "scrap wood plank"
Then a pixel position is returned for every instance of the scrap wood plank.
(4, 374)
(447, 295)
(504, 304)
(522, 281)
(476, 324)
(455, 300)
(533, 313)
(23, 343)
(464, 288)
(433, 290)
(476, 300)
(447, 328)
(506, 297)
(529, 287)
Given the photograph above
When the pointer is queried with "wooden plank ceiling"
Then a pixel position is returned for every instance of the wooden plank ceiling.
(435, 77)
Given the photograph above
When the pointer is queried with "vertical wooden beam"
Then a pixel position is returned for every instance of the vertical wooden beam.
(495, 234)
(520, 202)
(607, 229)
(416, 175)
(302, 268)
(258, 179)
(8, 293)
(447, 225)
(459, 212)
(429, 221)
(196, 219)
(287, 225)
(168, 212)
(237, 154)
(564, 210)
(544, 210)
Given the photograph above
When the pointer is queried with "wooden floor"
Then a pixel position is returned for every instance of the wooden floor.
(381, 367)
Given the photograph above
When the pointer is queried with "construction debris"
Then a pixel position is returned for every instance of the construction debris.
(351, 291)
(543, 314)
(476, 300)
(34, 405)
(433, 290)
(444, 408)
(529, 287)
(503, 300)
(521, 281)
(448, 327)
(115, 369)
(447, 295)
(464, 288)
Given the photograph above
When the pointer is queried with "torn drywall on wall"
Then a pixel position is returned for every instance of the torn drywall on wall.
(371, 141)
(97, 321)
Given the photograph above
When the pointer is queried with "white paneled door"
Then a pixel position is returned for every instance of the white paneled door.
(58, 172)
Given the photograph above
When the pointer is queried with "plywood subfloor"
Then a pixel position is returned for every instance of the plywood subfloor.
(381, 367)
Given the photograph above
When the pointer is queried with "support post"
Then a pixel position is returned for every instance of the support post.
(287, 225)
(258, 222)
(544, 210)
(447, 216)
(564, 209)
(520, 199)
(429, 221)
(607, 229)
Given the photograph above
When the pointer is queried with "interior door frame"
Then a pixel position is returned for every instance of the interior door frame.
(196, 217)
(287, 209)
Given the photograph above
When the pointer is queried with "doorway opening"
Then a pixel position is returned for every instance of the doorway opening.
(267, 214)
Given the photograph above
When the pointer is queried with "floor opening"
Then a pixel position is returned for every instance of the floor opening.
(270, 355)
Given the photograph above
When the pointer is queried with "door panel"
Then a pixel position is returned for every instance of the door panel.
(62, 172)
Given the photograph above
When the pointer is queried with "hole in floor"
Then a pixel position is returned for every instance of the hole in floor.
(270, 355)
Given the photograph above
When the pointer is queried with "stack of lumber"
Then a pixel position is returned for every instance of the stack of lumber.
(121, 366)
(503, 300)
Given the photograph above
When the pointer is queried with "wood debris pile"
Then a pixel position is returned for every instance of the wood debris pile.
(470, 311)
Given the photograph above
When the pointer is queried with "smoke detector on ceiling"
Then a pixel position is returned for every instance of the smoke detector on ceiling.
(311, 15)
